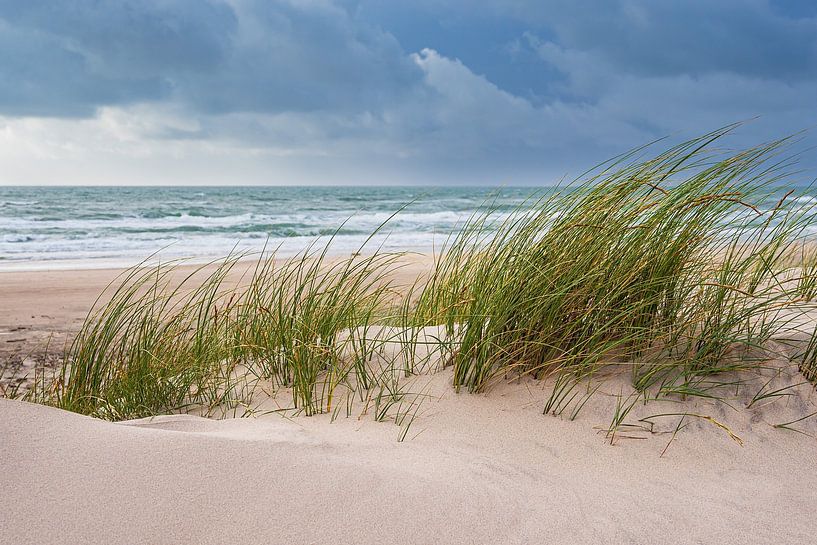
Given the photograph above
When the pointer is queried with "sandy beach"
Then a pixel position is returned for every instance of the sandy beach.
(38, 306)
(474, 468)
(617, 367)
(41, 309)
(363, 272)
(477, 469)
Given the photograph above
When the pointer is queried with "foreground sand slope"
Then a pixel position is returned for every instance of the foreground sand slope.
(475, 469)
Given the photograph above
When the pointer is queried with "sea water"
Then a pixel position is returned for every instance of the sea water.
(62, 227)
(87, 227)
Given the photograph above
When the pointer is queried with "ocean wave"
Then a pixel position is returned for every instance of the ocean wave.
(129, 224)
(17, 203)
(14, 238)
(182, 222)
(133, 251)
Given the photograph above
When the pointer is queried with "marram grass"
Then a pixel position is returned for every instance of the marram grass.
(678, 269)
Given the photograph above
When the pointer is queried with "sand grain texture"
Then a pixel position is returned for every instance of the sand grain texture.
(475, 469)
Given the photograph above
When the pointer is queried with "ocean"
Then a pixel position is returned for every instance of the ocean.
(90, 227)
(65, 227)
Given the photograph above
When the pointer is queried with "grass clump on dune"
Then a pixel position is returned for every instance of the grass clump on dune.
(150, 346)
(667, 267)
(292, 324)
(161, 344)
(677, 269)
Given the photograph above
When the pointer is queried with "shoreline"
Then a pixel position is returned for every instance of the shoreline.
(96, 264)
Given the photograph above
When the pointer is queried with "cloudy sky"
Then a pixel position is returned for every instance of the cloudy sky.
(377, 91)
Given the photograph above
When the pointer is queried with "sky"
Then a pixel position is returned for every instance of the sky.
(506, 92)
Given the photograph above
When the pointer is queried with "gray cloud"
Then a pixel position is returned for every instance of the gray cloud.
(247, 55)
(132, 37)
(696, 37)
(303, 57)
(762, 38)
(524, 91)
(70, 57)
(40, 75)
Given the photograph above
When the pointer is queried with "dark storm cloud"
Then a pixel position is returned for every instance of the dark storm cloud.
(496, 90)
(663, 37)
(302, 57)
(644, 37)
(41, 76)
(69, 57)
(126, 37)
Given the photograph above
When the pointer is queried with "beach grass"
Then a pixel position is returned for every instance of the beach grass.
(678, 268)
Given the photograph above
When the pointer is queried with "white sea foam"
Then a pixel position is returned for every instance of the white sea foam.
(51, 227)
(54, 227)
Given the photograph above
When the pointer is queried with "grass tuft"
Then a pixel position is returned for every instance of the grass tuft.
(681, 269)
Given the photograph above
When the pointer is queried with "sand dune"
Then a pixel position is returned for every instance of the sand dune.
(474, 469)
(42, 310)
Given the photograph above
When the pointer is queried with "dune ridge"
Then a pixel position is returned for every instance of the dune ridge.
(484, 468)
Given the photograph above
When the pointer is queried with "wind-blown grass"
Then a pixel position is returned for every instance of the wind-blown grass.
(678, 269)
(664, 265)
(149, 346)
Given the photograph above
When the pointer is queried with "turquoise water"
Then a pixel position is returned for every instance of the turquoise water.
(59, 227)
(54, 226)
